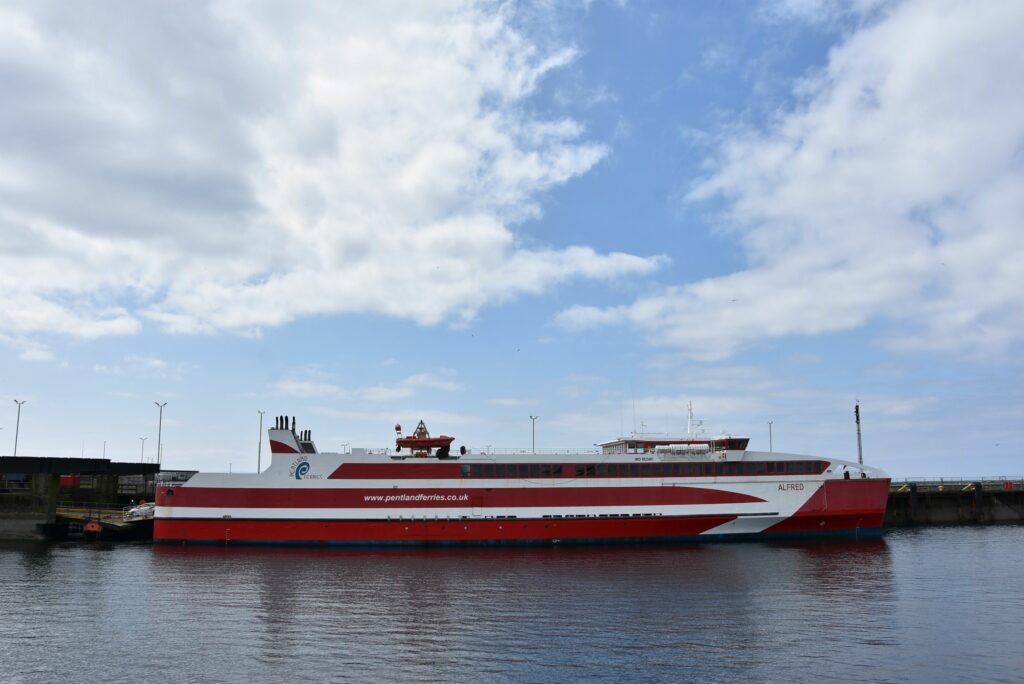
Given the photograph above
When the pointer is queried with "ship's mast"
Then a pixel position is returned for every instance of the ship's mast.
(860, 451)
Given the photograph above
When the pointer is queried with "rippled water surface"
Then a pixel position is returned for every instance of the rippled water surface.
(941, 604)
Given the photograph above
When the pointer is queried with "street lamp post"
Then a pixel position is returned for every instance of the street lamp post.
(142, 455)
(159, 432)
(17, 425)
(770, 448)
(259, 449)
(533, 432)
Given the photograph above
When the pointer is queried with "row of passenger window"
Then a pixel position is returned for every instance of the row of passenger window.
(545, 470)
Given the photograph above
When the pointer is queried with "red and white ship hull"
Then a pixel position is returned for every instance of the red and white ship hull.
(379, 498)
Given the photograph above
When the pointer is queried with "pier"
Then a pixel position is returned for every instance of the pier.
(955, 501)
(31, 487)
(35, 496)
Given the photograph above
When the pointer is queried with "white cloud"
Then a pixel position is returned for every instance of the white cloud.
(440, 381)
(150, 362)
(820, 12)
(386, 417)
(231, 167)
(147, 366)
(403, 389)
(306, 389)
(106, 369)
(36, 354)
(383, 393)
(508, 402)
(893, 193)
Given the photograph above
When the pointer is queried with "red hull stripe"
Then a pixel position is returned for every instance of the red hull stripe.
(474, 530)
(219, 497)
(840, 504)
(281, 448)
(430, 531)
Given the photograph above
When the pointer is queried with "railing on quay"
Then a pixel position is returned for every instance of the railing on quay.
(959, 483)
(90, 510)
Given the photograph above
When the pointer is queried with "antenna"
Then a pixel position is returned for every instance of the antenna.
(689, 417)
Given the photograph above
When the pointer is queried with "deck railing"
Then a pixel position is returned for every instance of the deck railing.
(490, 451)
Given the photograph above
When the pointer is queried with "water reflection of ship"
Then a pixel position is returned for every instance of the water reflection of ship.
(423, 610)
(444, 572)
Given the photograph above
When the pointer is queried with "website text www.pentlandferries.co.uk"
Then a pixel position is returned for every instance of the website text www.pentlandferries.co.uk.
(389, 498)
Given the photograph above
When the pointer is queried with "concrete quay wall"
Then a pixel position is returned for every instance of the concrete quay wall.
(946, 502)
(28, 510)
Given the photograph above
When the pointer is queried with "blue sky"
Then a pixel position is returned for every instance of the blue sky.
(472, 213)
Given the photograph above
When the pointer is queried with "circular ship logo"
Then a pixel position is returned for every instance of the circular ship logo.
(300, 468)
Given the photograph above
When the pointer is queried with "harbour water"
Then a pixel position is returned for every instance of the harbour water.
(937, 604)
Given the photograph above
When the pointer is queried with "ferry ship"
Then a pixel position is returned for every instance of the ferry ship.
(645, 487)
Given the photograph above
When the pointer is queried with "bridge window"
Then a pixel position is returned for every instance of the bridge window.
(556, 470)
(465, 471)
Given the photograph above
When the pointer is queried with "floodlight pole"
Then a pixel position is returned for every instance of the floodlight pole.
(259, 449)
(17, 425)
(159, 432)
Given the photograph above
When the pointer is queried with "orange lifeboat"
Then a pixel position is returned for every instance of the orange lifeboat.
(421, 442)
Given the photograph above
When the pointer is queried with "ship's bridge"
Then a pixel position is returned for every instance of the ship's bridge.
(650, 442)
